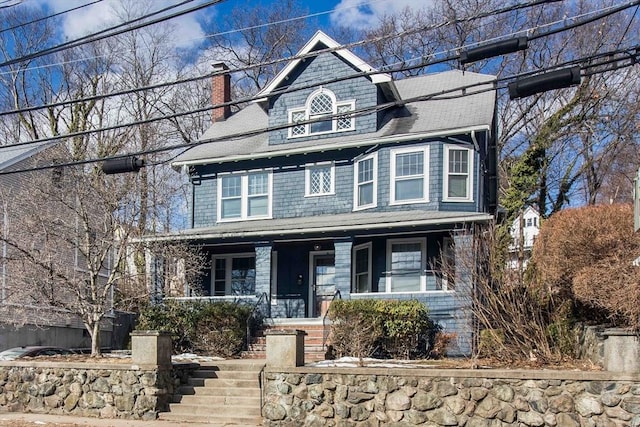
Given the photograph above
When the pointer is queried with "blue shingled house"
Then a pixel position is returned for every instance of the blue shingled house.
(355, 190)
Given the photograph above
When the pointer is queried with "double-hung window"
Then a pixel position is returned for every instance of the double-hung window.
(406, 265)
(322, 113)
(365, 182)
(234, 274)
(458, 164)
(244, 196)
(409, 175)
(319, 179)
(362, 268)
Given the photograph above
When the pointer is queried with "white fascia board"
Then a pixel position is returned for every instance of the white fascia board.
(320, 37)
(194, 234)
(329, 147)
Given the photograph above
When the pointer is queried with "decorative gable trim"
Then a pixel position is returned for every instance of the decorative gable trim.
(321, 38)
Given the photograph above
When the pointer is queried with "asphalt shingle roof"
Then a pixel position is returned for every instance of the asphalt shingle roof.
(456, 109)
(12, 154)
(326, 224)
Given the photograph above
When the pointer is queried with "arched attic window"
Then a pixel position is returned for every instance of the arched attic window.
(321, 109)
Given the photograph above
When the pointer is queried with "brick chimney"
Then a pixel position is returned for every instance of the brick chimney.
(220, 92)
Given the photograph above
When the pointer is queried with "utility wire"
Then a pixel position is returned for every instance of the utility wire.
(44, 18)
(312, 15)
(289, 90)
(440, 95)
(602, 13)
(100, 35)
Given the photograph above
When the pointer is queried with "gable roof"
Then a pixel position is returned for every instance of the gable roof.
(319, 41)
(12, 154)
(459, 111)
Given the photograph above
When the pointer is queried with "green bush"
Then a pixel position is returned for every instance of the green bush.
(383, 328)
(217, 329)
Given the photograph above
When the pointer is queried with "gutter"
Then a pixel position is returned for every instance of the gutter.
(330, 147)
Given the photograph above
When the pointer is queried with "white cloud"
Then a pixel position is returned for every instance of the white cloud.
(101, 15)
(363, 14)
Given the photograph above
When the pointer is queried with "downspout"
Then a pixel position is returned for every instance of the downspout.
(480, 186)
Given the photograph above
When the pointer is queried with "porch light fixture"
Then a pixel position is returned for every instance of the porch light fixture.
(317, 247)
(543, 82)
(490, 50)
(122, 165)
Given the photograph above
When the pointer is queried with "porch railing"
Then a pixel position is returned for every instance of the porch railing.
(325, 330)
(264, 297)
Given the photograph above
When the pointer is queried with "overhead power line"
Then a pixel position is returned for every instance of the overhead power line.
(311, 84)
(423, 63)
(457, 92)
(44, 18)
(108, 32)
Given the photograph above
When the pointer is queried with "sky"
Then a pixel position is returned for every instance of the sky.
(351, 13)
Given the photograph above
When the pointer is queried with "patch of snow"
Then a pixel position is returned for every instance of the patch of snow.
(354, 362)
(191, 357)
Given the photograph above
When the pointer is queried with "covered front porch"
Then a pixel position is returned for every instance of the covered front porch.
(295, 268)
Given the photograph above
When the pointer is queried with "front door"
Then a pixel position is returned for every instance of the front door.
(322, 283)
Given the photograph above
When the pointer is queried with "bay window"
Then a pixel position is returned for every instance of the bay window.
(409, 180)
(458, 164)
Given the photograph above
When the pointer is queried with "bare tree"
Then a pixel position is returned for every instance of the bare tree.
(70, 256)
(61, 245)
(253, 35)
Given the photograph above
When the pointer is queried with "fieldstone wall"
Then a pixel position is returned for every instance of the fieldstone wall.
(435, 397)
(105, 391)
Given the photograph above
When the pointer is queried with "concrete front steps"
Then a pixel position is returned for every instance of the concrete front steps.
(221, 393)
(314, 349)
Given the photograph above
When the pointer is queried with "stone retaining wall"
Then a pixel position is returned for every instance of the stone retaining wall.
(436, 397)
(84, 389)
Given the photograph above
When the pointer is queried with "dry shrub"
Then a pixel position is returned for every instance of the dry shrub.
(586, 255)
(513, 317)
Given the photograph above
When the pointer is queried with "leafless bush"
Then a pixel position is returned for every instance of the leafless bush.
(512, 317)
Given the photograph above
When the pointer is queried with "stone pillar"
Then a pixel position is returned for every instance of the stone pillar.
(285, 348)
(621, 351)
(343, 266)
(151, 348)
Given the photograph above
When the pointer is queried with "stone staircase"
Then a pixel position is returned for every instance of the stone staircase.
(313, 341)
(220, 393)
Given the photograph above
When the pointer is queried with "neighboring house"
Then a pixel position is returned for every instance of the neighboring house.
(24, 321)
(360, 184)
(524, 230)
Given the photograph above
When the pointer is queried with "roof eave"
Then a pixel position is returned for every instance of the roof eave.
(330, 147)
(200, 234)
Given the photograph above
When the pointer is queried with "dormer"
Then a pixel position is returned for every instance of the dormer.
(316, 94)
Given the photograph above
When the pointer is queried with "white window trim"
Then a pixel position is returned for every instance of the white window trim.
(425, 176)
(423, 263)
(445, 178)
(245, 196)
(334, 117)
(352, 105)
(228, 263)
(357, 207)
(307, 179)
(368, 246)
(291, 122)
